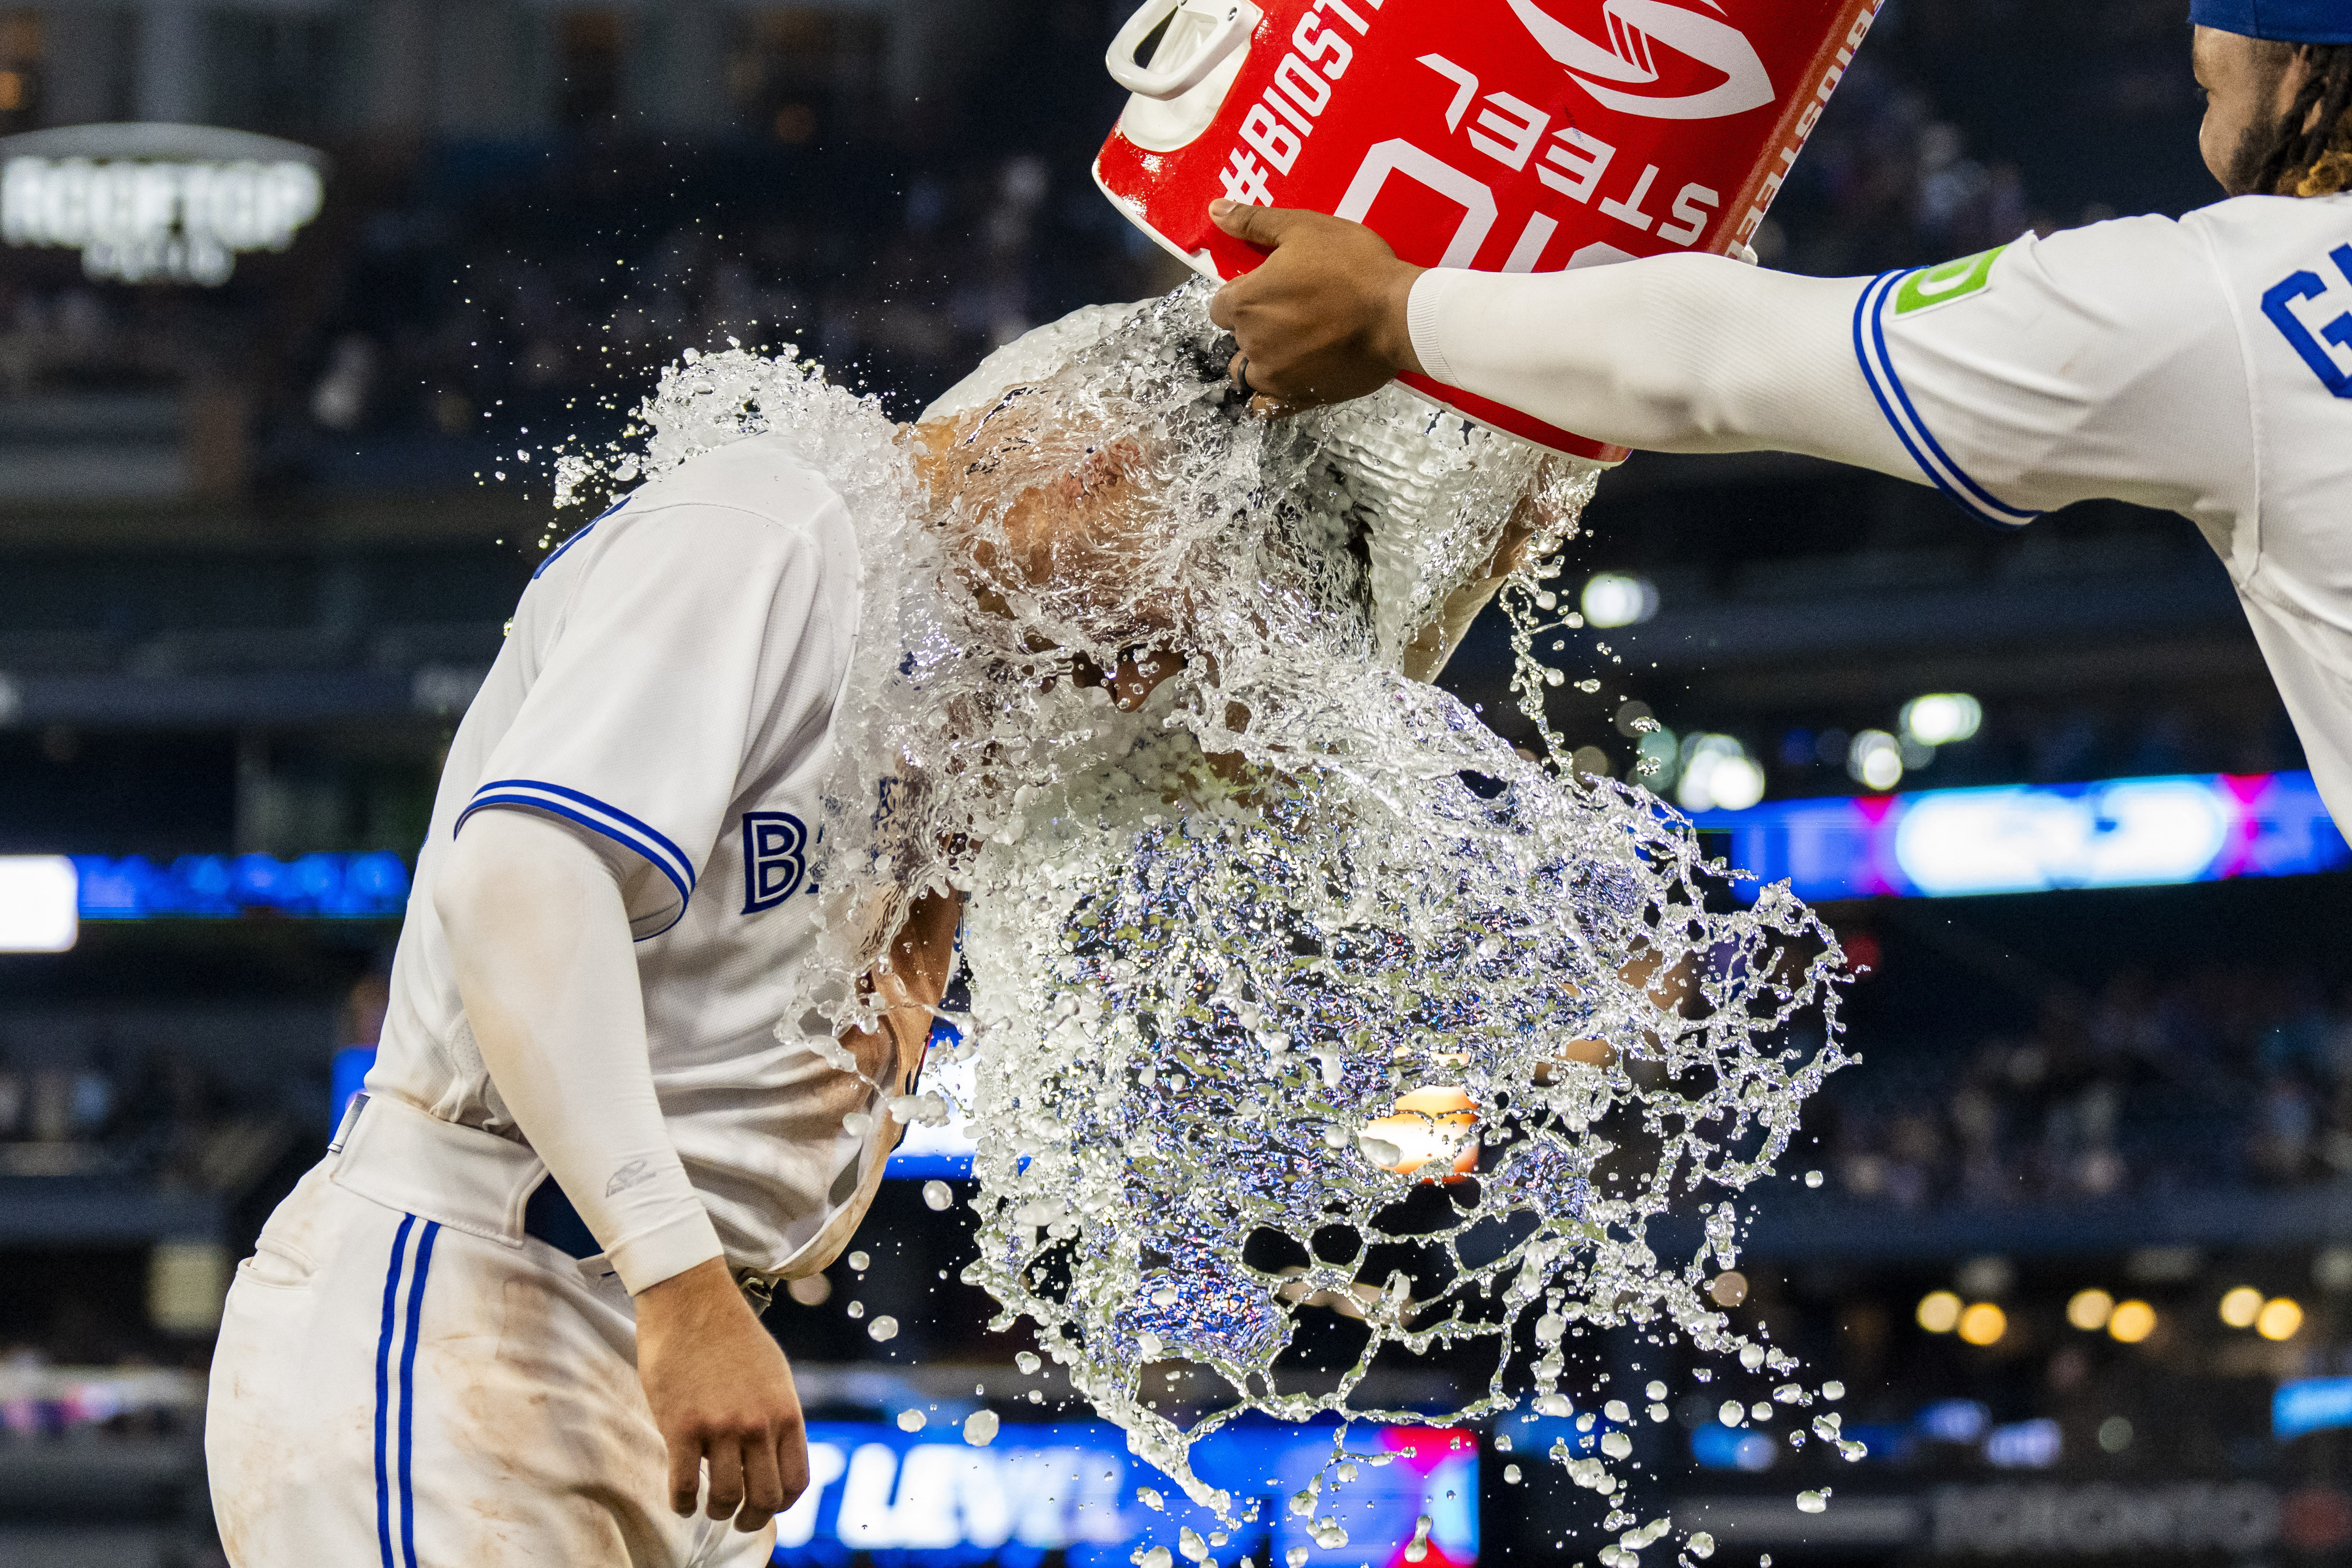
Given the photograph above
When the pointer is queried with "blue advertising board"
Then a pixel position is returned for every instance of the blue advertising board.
(929, 1500)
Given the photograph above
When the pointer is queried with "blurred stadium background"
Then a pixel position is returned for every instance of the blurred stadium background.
(2080, 1245)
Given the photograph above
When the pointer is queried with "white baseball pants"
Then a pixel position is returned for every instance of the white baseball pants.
(404, 1379)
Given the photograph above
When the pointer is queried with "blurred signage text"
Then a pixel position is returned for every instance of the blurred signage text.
(154, 203)
(880, 1493)
(336, 887)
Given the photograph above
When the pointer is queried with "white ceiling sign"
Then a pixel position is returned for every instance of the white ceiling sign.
(157, 202)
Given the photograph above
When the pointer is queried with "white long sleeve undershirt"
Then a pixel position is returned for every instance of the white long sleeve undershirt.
(1670, 353)
(538, 933)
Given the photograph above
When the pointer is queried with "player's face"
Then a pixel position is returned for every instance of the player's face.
(2248, 85)
(1061, 509)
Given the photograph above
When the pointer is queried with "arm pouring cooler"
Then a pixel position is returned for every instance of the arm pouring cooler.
(1496, 135)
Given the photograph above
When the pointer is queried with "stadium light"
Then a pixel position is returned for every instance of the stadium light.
(2025, 1445)
(41, 904)
(2131, 1323)
(1939, 1312)
(2310, 1405)
(2280, 1320)
(1718, 775)
(1614, 599)
(1657, 760)
(1942, 718)
(1983, 1324)
(2090, 1310)
(2242, 1306)
(1875, 760)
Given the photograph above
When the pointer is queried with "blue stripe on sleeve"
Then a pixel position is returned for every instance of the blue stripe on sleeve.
(684, 884)
(408, 1396)
(384, 1391)
(585, 530)
(682, 866)
(1992, 503)
(1903, 415)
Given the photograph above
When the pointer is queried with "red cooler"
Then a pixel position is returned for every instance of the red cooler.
(1503, 135)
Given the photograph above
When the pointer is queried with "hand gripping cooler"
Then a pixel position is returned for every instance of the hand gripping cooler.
(1501, 135)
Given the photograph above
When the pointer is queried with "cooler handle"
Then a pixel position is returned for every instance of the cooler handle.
(1240, 20)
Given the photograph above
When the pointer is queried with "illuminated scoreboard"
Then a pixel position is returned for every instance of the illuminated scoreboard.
(2122, 833)
(919, 1498)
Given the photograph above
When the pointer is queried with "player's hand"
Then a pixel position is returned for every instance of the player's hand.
(722, 1395)
(1322, 319)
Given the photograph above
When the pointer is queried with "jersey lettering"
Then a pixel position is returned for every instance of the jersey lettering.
(1932, 286)
(775, 858)
(2278, 304)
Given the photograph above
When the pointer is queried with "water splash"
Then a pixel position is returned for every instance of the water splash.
(1265, 936)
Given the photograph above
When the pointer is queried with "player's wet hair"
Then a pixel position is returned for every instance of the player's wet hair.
(2318, 162)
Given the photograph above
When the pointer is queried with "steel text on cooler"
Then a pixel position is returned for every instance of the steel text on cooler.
(1502, 135)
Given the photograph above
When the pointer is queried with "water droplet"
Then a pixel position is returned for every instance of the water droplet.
(882, 1329)
(979, 1428)
(938, 1196)
(910, 1420)
(860, 1262)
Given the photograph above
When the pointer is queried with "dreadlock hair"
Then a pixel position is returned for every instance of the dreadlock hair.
(2318, 162)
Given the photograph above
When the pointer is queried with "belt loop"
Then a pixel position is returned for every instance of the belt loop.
(350, 1120)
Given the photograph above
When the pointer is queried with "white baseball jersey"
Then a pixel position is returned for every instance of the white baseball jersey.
(2203, 366)
(668, 683)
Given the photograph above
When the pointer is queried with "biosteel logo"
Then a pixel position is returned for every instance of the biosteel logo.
(1634, 26)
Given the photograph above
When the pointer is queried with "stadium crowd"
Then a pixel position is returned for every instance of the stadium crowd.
(2227, 1077)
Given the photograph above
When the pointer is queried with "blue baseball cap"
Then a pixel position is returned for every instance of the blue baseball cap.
(2283, 21)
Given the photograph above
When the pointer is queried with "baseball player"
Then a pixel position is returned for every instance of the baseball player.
(2203, 366)
(506, 1321)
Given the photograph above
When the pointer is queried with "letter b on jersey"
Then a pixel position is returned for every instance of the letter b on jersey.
(775, 858)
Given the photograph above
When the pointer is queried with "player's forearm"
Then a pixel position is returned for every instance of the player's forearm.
(540, 937)
(1682, 353)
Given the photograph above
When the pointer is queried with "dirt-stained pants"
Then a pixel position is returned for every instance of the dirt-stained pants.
(391, 1390)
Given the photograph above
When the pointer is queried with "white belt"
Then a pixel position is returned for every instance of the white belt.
(405, 1159)
(390, 1152)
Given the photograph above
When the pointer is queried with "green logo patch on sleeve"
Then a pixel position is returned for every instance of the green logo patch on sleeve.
(1932, 286)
